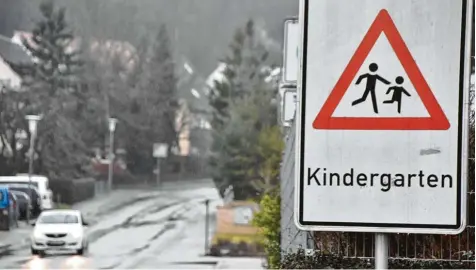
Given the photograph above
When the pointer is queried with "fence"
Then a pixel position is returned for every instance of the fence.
(361, 245)
(291, 237)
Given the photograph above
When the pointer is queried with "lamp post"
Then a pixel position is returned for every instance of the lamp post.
(32, 127)
(112, 128)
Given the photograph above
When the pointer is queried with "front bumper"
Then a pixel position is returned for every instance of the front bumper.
(64, 243)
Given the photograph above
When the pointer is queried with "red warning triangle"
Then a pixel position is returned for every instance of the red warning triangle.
(437, 119)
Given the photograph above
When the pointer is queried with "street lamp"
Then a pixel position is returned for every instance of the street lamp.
(112, 128)
(32, 127)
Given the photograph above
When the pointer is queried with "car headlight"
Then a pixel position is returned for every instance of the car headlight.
(37, 234)
(76, 234)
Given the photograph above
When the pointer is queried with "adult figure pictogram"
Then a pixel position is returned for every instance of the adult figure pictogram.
(370, 86)
(397, 93)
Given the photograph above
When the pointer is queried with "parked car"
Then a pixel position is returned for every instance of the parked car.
(4, 208)
(35, 197)
(59, 230)
(39, 181)
(14, 212)
(24, 204)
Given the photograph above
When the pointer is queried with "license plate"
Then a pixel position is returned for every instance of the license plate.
(55, 243)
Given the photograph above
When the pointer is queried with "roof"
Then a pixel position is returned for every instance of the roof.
(12, 52)
(217, 75)
(102, 50)
(23, 186)
(23, 177)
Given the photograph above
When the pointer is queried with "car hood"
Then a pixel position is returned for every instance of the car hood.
(57, 228)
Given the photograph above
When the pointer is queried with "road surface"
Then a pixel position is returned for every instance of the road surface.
(164, 230)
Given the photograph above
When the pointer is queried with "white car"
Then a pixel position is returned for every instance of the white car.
(59, 230)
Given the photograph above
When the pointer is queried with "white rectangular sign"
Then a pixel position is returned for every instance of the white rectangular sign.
(383, 119)
(288, 105)
(292, 38)
(159, 150)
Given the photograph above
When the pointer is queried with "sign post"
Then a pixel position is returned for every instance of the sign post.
(382, 125)
(159, 151)
(288, 105)
(381, 251)
(290, 71)
(291, 52)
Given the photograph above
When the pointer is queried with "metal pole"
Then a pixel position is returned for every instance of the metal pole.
(158, 172)
(206, 226)
(111, 160)
(30, 172)
(381, 251)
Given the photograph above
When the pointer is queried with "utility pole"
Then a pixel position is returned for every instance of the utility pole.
(32, 127)
(112, 128)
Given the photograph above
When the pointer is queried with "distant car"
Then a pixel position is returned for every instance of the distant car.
(59, 230)
(24, 204)
(35, 196)
(14, 211)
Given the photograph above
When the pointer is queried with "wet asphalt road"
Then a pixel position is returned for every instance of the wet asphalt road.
(163, 231)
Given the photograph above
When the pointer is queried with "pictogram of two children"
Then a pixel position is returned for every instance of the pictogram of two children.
(371, 82)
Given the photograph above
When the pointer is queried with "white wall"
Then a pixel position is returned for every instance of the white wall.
(8, 76)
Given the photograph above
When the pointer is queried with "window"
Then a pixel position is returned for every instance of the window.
(58, 219)
(243, 215)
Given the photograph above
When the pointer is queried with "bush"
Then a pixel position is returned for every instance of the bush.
(268, 221)
(72, 191)
(321, 260)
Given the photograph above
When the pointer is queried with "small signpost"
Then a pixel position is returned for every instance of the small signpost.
(291, 51)
(290, 71)
(288, 104)
(380, 86)
(159, 151)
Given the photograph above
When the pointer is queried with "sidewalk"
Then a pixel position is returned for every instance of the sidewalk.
(18, 238)
(240, 263)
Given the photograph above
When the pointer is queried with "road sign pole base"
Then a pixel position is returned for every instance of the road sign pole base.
(381, 251)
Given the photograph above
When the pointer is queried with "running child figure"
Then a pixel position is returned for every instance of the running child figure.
(397, 93)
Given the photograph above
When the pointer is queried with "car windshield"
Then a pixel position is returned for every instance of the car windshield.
(58, 219)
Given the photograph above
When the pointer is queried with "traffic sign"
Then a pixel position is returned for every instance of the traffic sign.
(288, 105)
(159, 150)
(291, 42)
(437, 120)
(382, 126)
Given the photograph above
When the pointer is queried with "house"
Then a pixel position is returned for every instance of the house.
(11, 53)
(193, 117)
(103, 50)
